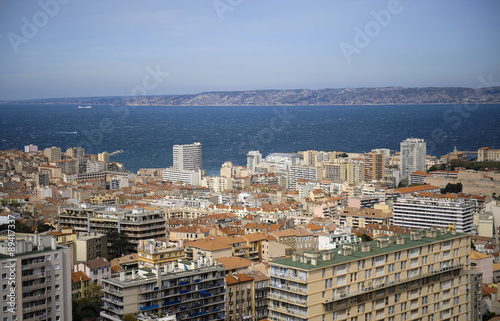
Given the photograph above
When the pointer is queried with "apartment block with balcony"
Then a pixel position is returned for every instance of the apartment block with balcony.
(190, 290)
(247, 296)
(424, 213)
(38, 276)
(157, 253)
(424, 275)
(137, 223)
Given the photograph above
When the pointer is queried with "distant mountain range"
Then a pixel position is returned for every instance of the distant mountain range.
(304, 97)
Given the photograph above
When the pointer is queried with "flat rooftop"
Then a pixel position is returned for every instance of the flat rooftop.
(356, 255)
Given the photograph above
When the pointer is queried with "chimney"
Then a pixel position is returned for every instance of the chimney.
(122, 276)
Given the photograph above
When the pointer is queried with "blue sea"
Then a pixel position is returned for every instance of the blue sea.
(146, 134)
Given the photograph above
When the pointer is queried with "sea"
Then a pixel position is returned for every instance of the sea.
(146, 134)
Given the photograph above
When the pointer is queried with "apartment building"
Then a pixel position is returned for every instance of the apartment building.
(424, 275)
(138, 223)
(345, 171)
(299, 239)
(361, 217)
(374, 166)
(424, 213)
(413, 151)
(297, 172)
(157, 253)
(52, 153)
(188, 157)
(190, 290)
(189, 232)
(38, 277)
(247, 296)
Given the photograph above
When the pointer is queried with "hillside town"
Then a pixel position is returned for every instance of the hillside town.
(307, 235)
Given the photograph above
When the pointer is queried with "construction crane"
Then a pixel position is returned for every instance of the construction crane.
(116, 152)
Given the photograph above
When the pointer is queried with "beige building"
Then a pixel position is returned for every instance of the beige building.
(189, 232)
(52, 153)
(487, 154)
(216, 184)
(299, 240)
(424, 275)
(157, 253)
(360, 217)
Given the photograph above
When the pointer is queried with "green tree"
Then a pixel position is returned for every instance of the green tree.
(488, 315)
(130, 317)
(86, 309)
(433, 168)
(452, 188)
(119, 245)
(364, 237)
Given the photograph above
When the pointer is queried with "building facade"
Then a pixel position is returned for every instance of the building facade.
(38, 277)
(424, 275)
(424, 213)
(137, 223)
(190, 290)
(413, 151)
(188, 157)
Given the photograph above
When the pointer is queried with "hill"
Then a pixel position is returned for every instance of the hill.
(304, 97)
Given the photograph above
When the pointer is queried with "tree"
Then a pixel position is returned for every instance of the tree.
(432, 168)
(488, 315)
(364, 237)
(119, 245)
(452, 188)
(130, 317)
(86, 309)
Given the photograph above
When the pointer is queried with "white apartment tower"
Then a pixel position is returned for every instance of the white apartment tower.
(413, 152)
(188, 157)
(254, 157)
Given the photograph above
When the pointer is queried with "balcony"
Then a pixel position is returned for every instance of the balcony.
(33, 265)
(395, 282)
(108, 316)
(111, 300)
(35, 297)
(288, 299)
(286, 287)
(33, 276)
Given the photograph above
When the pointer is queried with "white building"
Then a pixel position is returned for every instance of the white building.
(420, 213)
(413, 152)
(30, 148)
(186, 176)
(309, 173)
(283, 161)
(254, 157)
(96, 166)
(188, 157)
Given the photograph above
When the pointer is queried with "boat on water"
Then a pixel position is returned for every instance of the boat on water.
(85, 107)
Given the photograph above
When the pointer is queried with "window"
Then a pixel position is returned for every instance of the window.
(4, 265)
(4, 276)
(56, 266)
(56, 256)
(58, 297)
(58, 308)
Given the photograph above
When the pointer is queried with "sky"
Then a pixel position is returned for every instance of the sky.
(75, 48)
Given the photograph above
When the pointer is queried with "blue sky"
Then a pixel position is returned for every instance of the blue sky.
(107, 48)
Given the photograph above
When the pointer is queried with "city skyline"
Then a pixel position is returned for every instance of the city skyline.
(56, 48)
